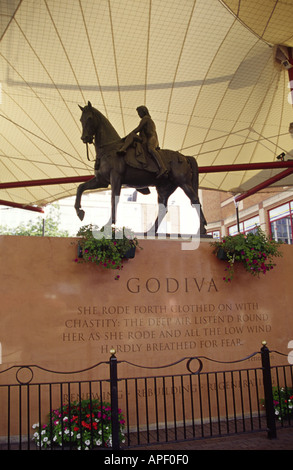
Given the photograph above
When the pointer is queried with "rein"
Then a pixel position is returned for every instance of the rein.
(87, 153)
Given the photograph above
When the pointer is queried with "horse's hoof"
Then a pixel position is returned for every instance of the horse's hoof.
(81, 214)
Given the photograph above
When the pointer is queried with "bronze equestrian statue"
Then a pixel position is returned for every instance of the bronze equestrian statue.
(135, 161)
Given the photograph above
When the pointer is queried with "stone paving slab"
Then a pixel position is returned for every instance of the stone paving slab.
(248, 441)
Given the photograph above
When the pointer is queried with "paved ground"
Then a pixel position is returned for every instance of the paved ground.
(242, 442)
(255, 441)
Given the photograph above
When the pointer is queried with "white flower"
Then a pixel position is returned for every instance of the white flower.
(78, 436)
(36, 434)
(36, 425)
(66, 431)
(98, 442)
(45, 439)
(43, 432)
(87, 442)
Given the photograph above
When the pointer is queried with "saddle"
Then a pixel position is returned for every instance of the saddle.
(137, 156)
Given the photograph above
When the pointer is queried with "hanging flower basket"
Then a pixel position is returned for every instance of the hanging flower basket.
(130, 253)
(222, 255)
(106, 247)
(254, 251)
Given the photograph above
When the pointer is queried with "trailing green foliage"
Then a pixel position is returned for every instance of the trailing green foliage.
(106, 247)
(254, 250)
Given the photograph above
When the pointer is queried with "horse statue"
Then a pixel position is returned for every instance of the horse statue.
(136, 169)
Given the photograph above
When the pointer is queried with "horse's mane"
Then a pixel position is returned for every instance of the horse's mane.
(106, 128)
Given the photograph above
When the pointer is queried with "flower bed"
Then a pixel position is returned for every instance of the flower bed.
(283, 402)
(81, 425)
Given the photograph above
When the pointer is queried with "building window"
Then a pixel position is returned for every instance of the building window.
(280, 219)
(214, 233)
(246, 226)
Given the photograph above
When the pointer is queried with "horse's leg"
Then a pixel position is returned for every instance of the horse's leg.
(94, 183)
(162, 211)
(194, 199)
(115, 181)
(164, 192)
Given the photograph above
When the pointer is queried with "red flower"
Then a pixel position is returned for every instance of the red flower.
(85, 425)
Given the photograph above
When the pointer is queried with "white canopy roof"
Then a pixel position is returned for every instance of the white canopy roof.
(209, 71)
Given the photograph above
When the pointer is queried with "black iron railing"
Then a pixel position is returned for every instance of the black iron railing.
(116, 411)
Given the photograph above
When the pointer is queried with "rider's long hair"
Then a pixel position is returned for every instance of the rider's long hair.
(144, 109)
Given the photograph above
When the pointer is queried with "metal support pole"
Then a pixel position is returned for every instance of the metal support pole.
(237, 214)
(114, 400)
(268, 391)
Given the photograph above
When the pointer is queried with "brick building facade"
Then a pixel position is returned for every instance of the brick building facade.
(271, 209)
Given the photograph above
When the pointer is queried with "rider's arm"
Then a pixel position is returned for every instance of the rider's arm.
(141, 125)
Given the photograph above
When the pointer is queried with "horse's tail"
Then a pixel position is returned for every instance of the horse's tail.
(194, 168)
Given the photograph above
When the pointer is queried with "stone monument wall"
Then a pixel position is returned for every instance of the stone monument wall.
(168, 304)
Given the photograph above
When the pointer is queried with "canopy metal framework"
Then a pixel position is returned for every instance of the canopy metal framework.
(216, 76)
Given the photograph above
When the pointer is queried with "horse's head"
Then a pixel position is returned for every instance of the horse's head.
(88, 125)
(95, 124)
